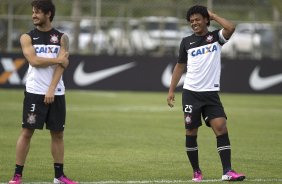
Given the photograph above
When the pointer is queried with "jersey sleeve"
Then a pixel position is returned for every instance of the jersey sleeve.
(182, 57)
(221, 40)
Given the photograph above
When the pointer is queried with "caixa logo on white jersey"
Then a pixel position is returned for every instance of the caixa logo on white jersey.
(49, 49)
(204, 50)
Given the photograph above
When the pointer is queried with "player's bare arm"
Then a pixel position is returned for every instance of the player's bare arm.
(228, 27)
(35, 61)
(50, 95)
(64, 51)
(176, 75)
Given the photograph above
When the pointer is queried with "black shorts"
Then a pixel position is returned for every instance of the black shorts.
(36, 112)
(195, 104)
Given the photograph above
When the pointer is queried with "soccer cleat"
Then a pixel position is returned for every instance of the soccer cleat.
(233, 176)
(63, 180)
(197, 177)
(17, 179)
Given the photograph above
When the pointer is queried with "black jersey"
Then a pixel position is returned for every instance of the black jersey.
(202, 55)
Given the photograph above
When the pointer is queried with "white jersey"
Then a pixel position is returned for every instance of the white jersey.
(46, 44)
(203, 57)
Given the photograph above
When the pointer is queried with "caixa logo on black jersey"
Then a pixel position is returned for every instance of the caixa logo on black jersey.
(204, 50)
(47, 49)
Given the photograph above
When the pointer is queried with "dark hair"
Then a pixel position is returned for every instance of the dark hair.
(198, 9)
(45, 6)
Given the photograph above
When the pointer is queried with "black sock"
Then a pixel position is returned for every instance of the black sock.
(59, 170)
(224, 151)
(19, 169)
(192, 151)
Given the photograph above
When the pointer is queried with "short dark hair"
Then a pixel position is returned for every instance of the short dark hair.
(198, 9)
(45, 6)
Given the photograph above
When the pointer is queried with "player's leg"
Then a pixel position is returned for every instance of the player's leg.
(57, 150)
(223, 143)
(22, 148)
(23, 145)
(224, 150)
(56, 123)
(34, 112)
(192, 153)
(215, 117)
(192, 120)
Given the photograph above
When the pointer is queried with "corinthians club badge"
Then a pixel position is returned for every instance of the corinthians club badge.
(209, 38)
(54, 38)
(31, 119)
(188, 119)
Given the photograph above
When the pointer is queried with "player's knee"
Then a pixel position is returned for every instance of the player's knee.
(220, 129)
(27, 133)
(218, 124)
(57, 135)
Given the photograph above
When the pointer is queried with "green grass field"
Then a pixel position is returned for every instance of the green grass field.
(134, 137)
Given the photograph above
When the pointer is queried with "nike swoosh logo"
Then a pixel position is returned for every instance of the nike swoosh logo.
(36, 38)
(260, 83)
(81, 78)
(167, 74)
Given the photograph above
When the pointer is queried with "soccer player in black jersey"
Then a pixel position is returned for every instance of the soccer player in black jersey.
(46, 50)
(200, 53)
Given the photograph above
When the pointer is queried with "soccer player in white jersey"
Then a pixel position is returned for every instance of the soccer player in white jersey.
(200, 54)
(46, 50)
